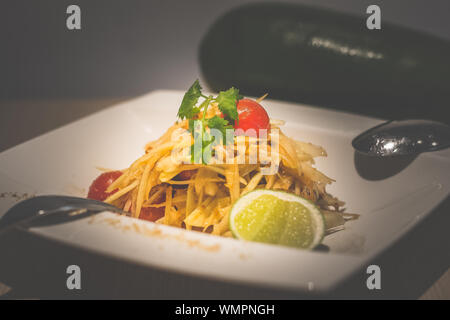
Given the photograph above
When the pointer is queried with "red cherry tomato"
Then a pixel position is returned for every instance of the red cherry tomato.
(151, 214)
(97, 190)
(252, 116)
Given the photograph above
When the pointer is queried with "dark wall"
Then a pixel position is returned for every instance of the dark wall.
(131, 47)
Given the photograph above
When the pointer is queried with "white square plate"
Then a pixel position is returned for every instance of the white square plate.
(64, 161)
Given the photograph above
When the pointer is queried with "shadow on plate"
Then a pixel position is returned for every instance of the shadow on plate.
(379, 168)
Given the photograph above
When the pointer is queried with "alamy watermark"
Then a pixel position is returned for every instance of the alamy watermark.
(374, 280)
(233, 146)
(73, 281)
(73, 21)
(373, 22)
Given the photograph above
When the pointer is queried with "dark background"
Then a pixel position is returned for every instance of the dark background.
(50, 76)
(131, 47)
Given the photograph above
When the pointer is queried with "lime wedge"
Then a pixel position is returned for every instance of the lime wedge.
(277, 217)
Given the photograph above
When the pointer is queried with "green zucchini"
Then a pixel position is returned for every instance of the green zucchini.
(325, 58)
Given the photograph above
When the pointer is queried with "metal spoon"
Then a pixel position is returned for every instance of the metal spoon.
(52, 210)
(404, 137)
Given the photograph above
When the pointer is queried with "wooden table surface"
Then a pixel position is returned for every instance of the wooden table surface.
(32, 267)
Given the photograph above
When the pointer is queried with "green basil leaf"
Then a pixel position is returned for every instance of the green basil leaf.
(227, 101)
(188, 109)
(219, 123)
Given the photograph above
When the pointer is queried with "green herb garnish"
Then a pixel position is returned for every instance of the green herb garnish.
(190, 109)
(227, 103)
(187, 109)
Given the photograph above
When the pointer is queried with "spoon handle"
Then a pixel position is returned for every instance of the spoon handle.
(22, 223)
(69, 210)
